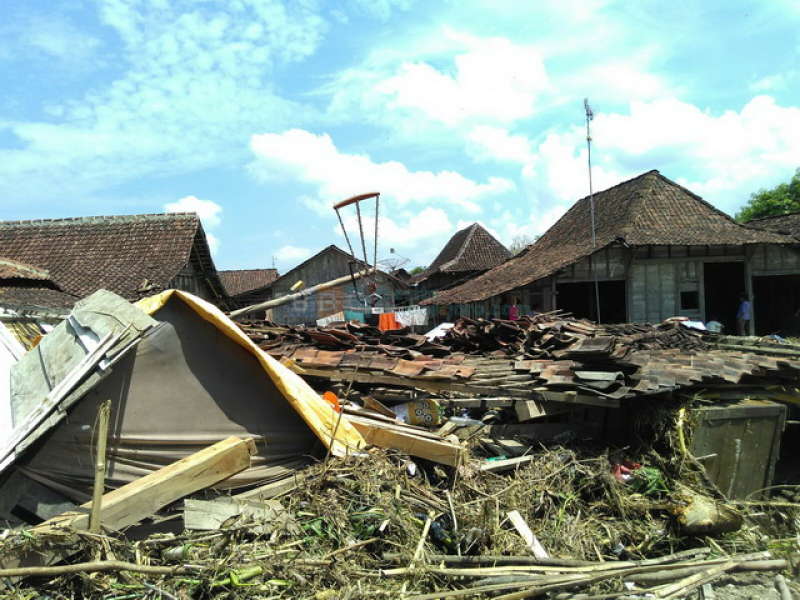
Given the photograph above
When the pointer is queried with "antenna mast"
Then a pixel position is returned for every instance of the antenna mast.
(589, 117)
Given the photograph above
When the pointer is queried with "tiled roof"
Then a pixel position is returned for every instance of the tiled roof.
(470, 249)
(12, 269)
(788, 224)
(646, 210)
(239, 281)
(124, 254)
(27, 287)
(35, 297)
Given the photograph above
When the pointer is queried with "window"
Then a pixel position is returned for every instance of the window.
(690, 300)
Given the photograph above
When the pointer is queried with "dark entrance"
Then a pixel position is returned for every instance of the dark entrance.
(776, 299)
(579, 299)
(724, 283)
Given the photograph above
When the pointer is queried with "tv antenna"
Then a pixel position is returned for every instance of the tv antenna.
(589, 118)
(394, 261)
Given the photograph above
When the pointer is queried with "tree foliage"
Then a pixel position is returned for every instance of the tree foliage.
(416, 270)
(784, 198)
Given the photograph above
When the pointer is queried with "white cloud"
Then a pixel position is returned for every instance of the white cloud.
(616, 80)
(723, 157)
(213, 242)
(315, 160)
(192, 80)
(493, 79)
(208, 210)
(210, 214)
(403, 232)
(773, 83)
(293, 253)
(498, 144)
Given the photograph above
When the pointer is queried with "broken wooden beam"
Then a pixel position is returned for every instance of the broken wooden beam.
(137, 500)
(498, 466)
(410, 441)
(531, 541)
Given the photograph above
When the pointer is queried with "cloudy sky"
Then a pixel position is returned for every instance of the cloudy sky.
(260, 114)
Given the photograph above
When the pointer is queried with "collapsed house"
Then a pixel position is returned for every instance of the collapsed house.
(470, 252)
(179, 376)
(660, 251)
(502, 456)
(131, 255)
(566, 377)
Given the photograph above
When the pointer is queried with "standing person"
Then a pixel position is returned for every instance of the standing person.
(744, 314)
(513, 310)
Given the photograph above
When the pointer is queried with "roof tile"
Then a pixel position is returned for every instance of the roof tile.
(646, 210)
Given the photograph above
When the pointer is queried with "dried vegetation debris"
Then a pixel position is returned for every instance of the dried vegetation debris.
(382, 525)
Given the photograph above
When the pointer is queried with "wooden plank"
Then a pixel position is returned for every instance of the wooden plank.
(397, 426)
(206, 515)
(385, 436)
(139, 499)
(529, 409)
(530, 539)
(498, 466)
(273, 489)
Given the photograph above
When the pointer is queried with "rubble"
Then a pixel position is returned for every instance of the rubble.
(548, 455)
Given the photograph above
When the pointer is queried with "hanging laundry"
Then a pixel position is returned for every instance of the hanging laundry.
(387, 322)
(412, 316)
(339, 316)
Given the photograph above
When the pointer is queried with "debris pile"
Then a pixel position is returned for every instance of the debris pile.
(547, 357)
(364, 463)
(380, 525)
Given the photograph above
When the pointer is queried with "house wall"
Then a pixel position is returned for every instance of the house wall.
(655, 278)
(191, 279)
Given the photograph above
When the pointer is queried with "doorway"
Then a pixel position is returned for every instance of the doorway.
(724, 283)
(579, 299)
(776, 300)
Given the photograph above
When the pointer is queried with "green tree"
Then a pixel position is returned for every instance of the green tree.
(784, 198)
(416, 270)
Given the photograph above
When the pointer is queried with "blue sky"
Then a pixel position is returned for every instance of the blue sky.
(260, 114)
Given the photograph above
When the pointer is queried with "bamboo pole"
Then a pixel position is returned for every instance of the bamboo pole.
(308, 292)
(103, 417)
(95, 567)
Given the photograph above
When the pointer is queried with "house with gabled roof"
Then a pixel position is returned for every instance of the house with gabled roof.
(660, 251)
(246, 287)
(130, 255)
(470, 252)
(349, 298)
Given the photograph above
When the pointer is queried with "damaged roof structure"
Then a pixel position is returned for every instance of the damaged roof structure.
(469, 252)
(180, 376)
(661, 250)
(30, 290)
(131, 255)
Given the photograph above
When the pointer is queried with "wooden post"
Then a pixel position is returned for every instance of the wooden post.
(320, 287)
(103, 417)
